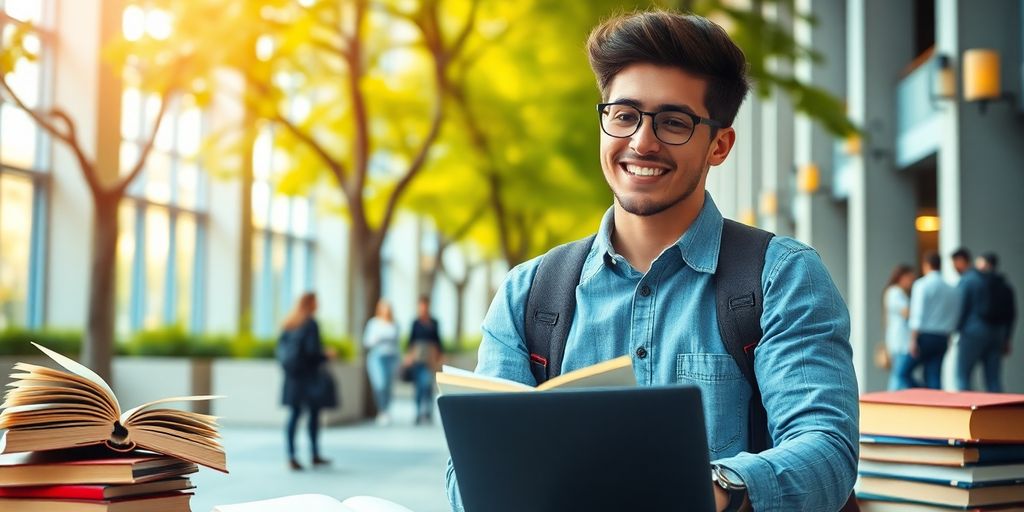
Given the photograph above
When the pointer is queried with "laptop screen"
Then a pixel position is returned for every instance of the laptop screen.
(596, 449)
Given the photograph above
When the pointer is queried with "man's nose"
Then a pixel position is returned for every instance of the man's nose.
(644, 141)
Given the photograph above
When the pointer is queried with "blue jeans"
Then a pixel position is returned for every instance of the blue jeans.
(314, 430)
(931, 348)
(381, 368)
(985, 349)
(423, 379)
(901, 375)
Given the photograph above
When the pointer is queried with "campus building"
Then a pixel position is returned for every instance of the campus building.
(936, 168)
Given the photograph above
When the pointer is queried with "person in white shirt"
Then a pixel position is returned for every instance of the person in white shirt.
(934, 311)
(896, 303)
(381, 341)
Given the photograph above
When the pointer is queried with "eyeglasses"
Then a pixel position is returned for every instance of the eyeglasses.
(673, 127)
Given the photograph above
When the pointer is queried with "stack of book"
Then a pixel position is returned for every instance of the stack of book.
(929, 450)
(68, 447)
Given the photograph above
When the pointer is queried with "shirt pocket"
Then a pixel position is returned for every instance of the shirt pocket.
(725, 394)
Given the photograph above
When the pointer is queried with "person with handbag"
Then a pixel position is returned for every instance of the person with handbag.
(423, 357)
(308, 384)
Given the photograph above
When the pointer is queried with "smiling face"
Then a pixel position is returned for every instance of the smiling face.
(647, 176)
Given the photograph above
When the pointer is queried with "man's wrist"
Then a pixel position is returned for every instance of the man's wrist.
(731, 484)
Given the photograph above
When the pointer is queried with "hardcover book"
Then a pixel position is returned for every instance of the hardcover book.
(612, 373)
(931, 413)
(48, 409)
(89, 465)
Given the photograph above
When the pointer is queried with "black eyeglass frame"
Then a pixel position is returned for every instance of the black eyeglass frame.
(697, 120)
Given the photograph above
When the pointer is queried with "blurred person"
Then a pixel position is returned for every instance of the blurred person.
(986, 323)
(424, 355)
(671, 86)
(308, 385)
(381, 341)
(961, 260)
(934, 310)
(896, 304)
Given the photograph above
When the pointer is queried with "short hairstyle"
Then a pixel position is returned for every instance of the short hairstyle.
(992, 259)
(962, 253)
(934, 261)
(663, 38)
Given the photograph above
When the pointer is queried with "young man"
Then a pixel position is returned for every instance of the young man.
(671, 86)
(987, 315)
(934, 312)
(961, 260)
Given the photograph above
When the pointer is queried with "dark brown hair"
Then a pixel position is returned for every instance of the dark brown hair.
(663, 38)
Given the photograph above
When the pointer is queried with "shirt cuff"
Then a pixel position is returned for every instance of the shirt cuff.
(759, 477)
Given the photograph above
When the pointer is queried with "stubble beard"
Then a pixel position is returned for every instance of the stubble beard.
(646, 207)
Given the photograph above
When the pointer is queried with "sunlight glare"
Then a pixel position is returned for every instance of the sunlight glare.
(133, 23)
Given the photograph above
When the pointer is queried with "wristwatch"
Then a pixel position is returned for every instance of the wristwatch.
(732, 484)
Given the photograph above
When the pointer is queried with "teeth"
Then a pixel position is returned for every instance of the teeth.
(644, 171)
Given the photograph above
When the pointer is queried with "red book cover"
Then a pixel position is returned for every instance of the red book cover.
(937, 398)
(73, 492)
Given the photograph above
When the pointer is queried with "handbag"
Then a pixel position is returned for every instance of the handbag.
(882, 357)
(323, 389)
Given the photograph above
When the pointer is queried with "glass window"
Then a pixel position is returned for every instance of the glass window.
(282, 245)
(167, 196)
(23, 168)
(15, 248)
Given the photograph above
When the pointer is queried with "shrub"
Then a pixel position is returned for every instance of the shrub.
(16, 341)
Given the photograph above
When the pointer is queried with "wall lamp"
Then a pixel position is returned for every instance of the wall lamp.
(808, 178)
(981, 78)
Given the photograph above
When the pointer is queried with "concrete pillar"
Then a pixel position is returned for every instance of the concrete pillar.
(821, 219)
(881, 204)
(980, 176)
(776, 161)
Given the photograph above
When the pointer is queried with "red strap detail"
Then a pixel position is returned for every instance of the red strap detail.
(749, 348)
(534, 358)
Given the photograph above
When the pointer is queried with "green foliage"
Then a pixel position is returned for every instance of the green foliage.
(17, 342)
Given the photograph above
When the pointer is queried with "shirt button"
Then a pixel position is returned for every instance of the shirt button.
(645, 290)
(641, 352)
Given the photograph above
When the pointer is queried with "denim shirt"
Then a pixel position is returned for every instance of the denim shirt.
(803, 362)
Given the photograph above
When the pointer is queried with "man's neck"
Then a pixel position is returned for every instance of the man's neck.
(640, 239)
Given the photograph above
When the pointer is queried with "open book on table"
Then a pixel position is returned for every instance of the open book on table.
(616, 372)
(315, 503)
(48, 409)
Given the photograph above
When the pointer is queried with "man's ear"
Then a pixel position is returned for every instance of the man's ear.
(721, 146)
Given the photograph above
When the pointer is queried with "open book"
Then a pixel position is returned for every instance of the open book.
(315, 503)
(48, 409)
(612, 373)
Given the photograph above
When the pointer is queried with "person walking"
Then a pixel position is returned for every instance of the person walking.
(987, 319)
(896, 303)
(381, 342)
(424, 355)
(934, 310)
(308, 385)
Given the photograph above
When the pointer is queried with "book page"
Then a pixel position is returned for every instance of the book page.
(616, 372)
(78, 369)
(372, 504)
(459, 372)
(126, 417)
(303, 502)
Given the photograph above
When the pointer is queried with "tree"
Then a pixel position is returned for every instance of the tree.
(106, 193)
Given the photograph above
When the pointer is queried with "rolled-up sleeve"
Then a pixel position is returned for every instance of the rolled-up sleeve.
(805, 371)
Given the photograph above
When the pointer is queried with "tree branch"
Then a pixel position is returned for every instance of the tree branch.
(140, 163)
(460, 40)
(336, 166)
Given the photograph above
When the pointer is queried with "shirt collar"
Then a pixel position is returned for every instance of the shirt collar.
(698, 247)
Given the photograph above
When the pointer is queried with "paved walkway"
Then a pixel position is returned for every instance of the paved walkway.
(400, 462)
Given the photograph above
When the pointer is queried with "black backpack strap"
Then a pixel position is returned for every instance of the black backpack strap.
(550, 306)
(740, 301)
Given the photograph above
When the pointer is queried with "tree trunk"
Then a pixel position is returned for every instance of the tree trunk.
(366, 278)
(98, 346)
(460, 302)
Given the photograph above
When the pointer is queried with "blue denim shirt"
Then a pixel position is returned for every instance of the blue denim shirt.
(803, 363)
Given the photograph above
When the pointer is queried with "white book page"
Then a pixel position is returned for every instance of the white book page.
(451, 370)
(299, 502)
(373, 504)
(78, 369)
(199, 398)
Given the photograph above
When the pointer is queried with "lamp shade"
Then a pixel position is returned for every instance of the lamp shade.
(852, 145)
(768, 203)
(981, 74)
(808, 178)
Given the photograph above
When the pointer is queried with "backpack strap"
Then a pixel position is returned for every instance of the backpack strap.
(740, 301)
(550, 305)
